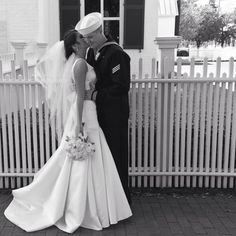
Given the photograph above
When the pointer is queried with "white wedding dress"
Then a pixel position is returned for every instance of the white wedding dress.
(69, 193)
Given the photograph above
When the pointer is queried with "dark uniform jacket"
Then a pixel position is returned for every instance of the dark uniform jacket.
(112, 67)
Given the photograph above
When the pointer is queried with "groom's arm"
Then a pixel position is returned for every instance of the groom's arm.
(119, 74)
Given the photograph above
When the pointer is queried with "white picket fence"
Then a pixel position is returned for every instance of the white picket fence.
(181, 129)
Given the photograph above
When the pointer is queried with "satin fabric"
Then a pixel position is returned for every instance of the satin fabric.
(69, 193)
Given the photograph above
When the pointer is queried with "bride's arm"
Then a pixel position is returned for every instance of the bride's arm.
(80, 70)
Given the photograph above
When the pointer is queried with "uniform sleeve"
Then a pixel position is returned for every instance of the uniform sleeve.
(119, 72)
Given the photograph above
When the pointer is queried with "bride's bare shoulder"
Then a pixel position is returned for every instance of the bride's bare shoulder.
(80, 65)
(80, 61)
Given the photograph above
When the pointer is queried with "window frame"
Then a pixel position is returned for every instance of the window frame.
(120, 18)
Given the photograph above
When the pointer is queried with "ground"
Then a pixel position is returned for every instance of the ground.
(159, 212)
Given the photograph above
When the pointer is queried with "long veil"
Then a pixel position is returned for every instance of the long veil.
(54, 72)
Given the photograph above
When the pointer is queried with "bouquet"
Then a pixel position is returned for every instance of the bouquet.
(79, 147)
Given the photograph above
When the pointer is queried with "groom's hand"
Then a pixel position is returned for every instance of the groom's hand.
(92, 85)
(90, 95)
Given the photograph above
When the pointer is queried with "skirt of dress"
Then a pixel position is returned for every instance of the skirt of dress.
(69, 193)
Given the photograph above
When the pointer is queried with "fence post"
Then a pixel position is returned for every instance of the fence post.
(41, 49)
(166, 47)
(19, 47)
(166, 60)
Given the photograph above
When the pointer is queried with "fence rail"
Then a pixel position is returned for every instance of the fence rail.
(181, 129)
(7, 57)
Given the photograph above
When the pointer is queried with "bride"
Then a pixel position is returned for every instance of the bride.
(65, 192)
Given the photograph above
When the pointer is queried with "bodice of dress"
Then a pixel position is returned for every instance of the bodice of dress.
(90, 76)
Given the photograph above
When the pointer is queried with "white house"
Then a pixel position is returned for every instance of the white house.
(145, 28)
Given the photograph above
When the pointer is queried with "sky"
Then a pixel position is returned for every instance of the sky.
(225, 5)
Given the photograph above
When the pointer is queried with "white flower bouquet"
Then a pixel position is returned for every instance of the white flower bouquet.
(79, 147)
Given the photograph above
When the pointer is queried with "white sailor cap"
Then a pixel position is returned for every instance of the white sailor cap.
(89, 23)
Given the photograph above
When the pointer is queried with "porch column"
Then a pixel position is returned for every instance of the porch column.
(166, 49)
(19, 47)
(48, 18)
(54, 22)
(166, 46)
(43, 12)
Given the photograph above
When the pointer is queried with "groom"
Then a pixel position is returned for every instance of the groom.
(112, 67)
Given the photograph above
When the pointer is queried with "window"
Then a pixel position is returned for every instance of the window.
(123, 19)
(110, 10)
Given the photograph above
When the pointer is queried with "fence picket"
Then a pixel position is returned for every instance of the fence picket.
(22, 128)
(233, 140)
(214, 134)
(133, 131)
(177, 131)
(46, 127)
(40, 124)
(220, 132)
(192, 68)
(146, 124)
(227, 133)
(170, 135)
(1, 136)
(140, 121)
(27, 118)
(202, 130)
(152, 120)
(215, 118)
(189, 122)
(208, 131)
(196, 130)
(164, 133)
(202, 122)
(11, 167)
(229, 115)
(140, 131)
(183, 131)
(158, 133)
(189, 131)
(4, 129)
(15, 114)
(35, 129)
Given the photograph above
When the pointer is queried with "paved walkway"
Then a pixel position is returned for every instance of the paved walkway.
(165, 212)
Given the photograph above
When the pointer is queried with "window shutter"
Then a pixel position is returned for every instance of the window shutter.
(133, 24)
(69, 15)
(177, 19)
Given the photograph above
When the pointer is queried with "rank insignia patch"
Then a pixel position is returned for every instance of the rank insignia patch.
(115, 69)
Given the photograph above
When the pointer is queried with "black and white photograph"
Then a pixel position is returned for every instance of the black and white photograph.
(118, 117)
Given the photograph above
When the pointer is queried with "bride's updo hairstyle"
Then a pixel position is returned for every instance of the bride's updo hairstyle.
(69, 40)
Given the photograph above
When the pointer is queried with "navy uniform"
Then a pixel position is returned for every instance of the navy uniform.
(112, 67)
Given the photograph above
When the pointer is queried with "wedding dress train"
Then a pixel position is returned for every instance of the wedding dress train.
(69, 193)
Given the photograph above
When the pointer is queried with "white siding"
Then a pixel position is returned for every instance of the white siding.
(22, 20)
(3, 36)
(3, 27)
